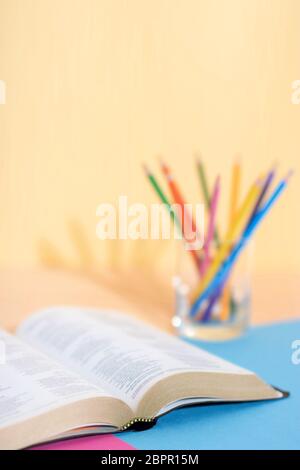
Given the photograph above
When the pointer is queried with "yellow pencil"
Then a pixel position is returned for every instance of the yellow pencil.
(233, 205)
(235, 190)
(235, 229)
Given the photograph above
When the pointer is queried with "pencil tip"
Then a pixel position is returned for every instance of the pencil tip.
(161, 160)
(164, 166)
(198, 158)
(289, 175)
(238, 158)
(146, 169)
(274, 166)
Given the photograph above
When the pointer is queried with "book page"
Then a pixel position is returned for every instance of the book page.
(31, 384)
(113, 351)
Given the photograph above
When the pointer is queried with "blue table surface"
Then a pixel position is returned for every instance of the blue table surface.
(266, 350)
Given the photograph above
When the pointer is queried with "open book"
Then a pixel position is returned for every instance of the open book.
(72, 372)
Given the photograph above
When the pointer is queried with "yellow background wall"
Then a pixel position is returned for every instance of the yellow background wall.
(95, 87)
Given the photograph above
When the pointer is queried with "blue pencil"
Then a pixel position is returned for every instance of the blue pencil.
(228, 264)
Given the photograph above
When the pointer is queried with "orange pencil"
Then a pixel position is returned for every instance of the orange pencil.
(225, 303)
(188, 223)
(177, 196)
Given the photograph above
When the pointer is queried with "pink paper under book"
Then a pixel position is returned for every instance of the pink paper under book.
(107, 442)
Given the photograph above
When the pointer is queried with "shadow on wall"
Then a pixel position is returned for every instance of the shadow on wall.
(125, 281)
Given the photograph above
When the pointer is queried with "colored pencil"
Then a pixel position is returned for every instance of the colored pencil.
(187, 219)
(203, 181)
(161, 195)
(205, 316)
(173, 215)
(235, 190)
(205, 191)
(211, 223)
(225, 303)
(238, 224)
(225, 270)
(233, 204)
(234, 201)
(267, 183)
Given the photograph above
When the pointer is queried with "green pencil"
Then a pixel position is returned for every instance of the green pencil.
(173, 214)
(162, 196)
(203, 181)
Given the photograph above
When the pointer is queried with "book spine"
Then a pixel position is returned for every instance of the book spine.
(139, 424)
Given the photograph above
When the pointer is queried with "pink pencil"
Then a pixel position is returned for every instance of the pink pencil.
(211, 223)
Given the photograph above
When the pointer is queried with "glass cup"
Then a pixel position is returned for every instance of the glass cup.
(225, 314)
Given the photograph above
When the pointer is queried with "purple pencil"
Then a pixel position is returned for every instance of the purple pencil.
(267, 183)
(211, 223)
